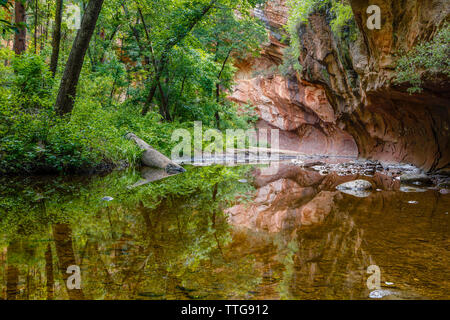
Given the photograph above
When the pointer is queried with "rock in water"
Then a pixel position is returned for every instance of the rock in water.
(414, 178)
(153, 158)
(357, 188)
(297, 162)
(411, 189)
(378, 294)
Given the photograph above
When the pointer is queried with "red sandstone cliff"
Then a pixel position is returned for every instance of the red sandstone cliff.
(344, 101)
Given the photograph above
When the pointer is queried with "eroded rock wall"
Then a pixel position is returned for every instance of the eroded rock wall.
(391, 124)
(344, 102)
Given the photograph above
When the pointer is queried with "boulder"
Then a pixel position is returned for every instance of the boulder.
(357, 188)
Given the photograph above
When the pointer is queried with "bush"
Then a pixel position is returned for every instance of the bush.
(432, 57)
(34, 139)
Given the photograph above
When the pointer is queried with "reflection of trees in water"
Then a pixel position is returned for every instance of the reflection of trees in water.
(173, 253)
(128, 248)
(182, 247)
(168, 248)
(326, 261)
(50, 283)
(12, 272)
(21, 277)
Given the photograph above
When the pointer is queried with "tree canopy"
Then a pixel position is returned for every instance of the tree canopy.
(148, 65)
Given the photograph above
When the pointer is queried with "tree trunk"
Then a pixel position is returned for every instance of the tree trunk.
(47, 21)
(20, 37)
(35, 25)
(56, 37)
(153, 158)
(12, 273)
(69, 81)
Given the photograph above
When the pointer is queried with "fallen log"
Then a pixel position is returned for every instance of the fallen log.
(153, 158)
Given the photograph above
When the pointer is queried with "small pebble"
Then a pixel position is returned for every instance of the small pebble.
(378, 294)
(297, 162)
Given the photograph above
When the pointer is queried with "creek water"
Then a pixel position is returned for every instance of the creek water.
(218, 232)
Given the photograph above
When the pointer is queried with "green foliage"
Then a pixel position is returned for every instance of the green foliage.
(178, 223)
(32, 81)
(33, 138)
(341, 21)
(431, 57)
(290, 63)
(79, 199)
(5, 11)
(115, 81)
(343, 16)
(340, 12)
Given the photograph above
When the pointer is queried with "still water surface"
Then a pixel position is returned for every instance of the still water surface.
(222, 233)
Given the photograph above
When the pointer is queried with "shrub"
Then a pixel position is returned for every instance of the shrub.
(432, 57)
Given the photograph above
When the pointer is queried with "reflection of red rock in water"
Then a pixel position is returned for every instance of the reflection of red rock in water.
(328, 260)
(294, 197)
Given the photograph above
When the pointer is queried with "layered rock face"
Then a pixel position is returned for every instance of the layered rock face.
(300, 109)
(344, 102)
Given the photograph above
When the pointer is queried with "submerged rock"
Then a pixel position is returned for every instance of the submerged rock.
(297, 162)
